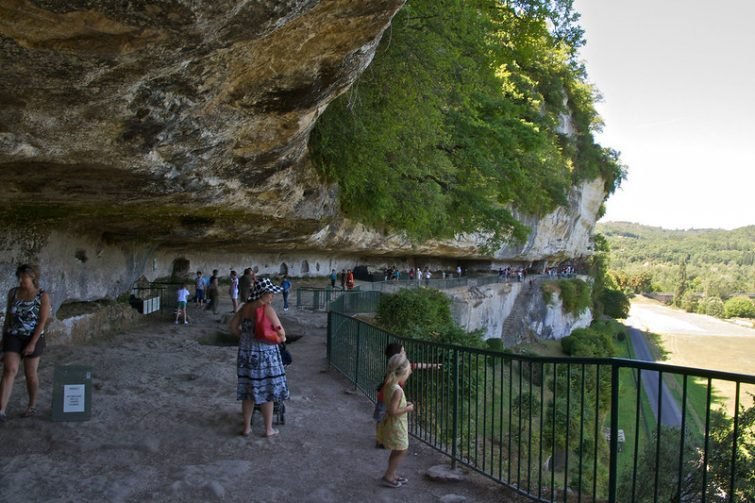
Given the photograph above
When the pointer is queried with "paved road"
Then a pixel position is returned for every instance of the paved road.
(670, 413)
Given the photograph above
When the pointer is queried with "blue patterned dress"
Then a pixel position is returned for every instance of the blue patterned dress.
(262, 377)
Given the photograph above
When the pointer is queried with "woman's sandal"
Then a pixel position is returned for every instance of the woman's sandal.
(391, 483)
(402, 480)
(29, 412)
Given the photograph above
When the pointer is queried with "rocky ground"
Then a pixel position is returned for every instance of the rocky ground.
(165, 426)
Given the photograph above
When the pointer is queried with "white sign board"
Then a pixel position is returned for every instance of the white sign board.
(73, 398)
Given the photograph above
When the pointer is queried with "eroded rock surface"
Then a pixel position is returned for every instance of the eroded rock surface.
(171, 120)
(135, 133)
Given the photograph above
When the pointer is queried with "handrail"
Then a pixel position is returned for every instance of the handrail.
(554, 428)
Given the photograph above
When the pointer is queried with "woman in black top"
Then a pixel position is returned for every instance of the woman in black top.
(27, 312)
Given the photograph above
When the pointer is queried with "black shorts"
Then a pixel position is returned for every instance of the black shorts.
(17, 343)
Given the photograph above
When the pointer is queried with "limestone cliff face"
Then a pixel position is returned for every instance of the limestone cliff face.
(514, 312)
(133, 133)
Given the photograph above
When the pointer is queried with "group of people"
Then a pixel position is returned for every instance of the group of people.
(347, 279)
(260, 369)
(207, 291)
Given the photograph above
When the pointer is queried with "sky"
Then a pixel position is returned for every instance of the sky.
(677, 79)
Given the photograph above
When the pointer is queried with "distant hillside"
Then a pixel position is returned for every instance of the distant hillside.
(719, 262)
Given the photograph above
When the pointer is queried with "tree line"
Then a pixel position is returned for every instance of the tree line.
(703, 270)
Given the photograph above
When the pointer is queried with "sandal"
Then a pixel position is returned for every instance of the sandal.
(29, 412)
(3, 417)
(402, 480)
(391, 483)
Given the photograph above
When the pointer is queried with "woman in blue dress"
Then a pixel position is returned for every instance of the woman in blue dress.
(261, 374)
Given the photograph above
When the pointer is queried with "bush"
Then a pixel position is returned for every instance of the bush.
(494, 344)
(423, 313)
(615, 303)
(689, 302)
(588, 342)
(574, 294)
(739, 307)
(713, 306)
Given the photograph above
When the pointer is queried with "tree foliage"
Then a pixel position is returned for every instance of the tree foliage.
(423, 313)
(717, 263)
(574, 293)
(458, 121)
(661, 457)
(739, 307)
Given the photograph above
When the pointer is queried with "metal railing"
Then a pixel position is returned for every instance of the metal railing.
(564, 429)
(318, 299)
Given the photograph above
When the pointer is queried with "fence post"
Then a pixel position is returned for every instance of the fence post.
(614, 439)
(455, 420)
(359, 349)
(328, 334)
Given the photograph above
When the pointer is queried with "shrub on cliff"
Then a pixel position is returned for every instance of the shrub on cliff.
(457, 121)
(575, 294)
(423, 313)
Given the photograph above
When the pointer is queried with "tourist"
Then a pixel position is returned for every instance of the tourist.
(343, 279)
(245, 284)
(333, 278)
(233, 291)
(391, 349)
(349, 279)
(212, 292)
(27, 313)
(200, 284)
(393, 431)
(260, 370)
(286, 287)
(182, 299)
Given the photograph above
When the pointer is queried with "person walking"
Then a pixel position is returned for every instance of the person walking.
(233, 291)
(260, 370)
(182, 299)
(199, 287)
(393, 430)
(27, 312)
(212, 292)
(286, 286)
(245, 284)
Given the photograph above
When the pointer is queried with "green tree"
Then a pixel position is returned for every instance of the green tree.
(689, 302)
(713, 306)
(739, 307)
(719, 261)
(681, 283)
(615, 303)
(423, 313)
(456, 122)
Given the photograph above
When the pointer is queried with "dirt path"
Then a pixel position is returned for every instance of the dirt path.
(165, 427)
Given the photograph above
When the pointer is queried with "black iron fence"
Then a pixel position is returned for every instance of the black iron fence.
(565, 429)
